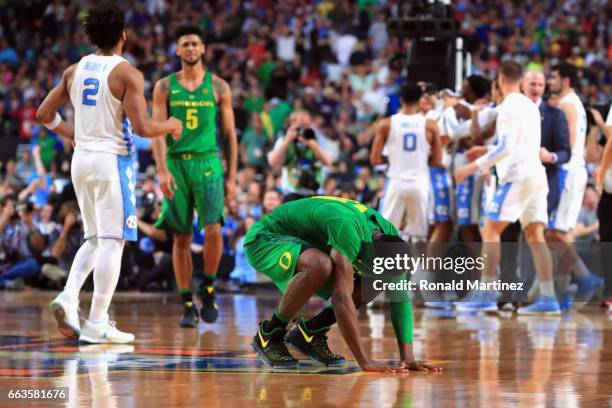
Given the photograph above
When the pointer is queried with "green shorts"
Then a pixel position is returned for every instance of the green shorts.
(276, 256)
(199, 184)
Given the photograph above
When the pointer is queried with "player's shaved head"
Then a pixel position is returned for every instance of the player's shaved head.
(511, 71)
(104, 25)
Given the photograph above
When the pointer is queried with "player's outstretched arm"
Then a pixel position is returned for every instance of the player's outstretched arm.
(345, 312)
(135, 106)
(47, 113)
(433, 137)
(382, 133)
(402, 318)
(228, 125)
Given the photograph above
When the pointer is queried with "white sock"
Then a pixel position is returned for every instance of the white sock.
(580, 270)
(81, 268)
(564, 281)
(547, 288)
(106, 276)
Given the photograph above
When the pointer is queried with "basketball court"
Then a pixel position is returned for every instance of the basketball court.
(488, 360)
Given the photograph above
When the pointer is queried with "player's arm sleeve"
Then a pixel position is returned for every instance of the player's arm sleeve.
(507, 129)
(561, 140)
(402, 319)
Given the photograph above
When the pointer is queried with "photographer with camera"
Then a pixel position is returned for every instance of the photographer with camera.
(300, 158)
(64, 241)
(22, 243)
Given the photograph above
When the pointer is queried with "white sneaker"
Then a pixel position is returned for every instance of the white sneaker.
(66, 314)
(104, 332)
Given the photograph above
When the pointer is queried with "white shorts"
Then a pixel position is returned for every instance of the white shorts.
(572, 184)
(405, 204)
(523, 200)
(104, 184)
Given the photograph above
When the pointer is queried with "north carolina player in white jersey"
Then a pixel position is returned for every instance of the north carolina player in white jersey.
(107, 94)
(572, 179)
(410, 139)
(521, 193)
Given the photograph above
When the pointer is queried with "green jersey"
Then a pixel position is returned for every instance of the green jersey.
(273, 245)
(329, 222)
(198, 112)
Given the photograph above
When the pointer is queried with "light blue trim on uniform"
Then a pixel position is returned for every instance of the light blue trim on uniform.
(561, 180)
(498, 201)
(463, 195)
(128, 135)
(127, 179)
(441, 193)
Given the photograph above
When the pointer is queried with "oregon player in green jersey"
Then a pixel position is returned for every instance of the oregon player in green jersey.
(190, 171)
(315, 245)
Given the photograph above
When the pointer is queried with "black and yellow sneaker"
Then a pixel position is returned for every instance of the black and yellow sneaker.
(313, 343)
(209, 311)
(190, 315)
(271, 348)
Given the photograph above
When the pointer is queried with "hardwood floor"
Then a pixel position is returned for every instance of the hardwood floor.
(490, 361)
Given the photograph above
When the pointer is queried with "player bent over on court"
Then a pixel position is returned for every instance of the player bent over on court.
(314, 246)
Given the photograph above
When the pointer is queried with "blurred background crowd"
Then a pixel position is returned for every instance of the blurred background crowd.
(333, 62)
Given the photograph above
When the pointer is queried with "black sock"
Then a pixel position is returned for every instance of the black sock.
(323, 320)
(207, 280)
(276, 321)
(186, 296)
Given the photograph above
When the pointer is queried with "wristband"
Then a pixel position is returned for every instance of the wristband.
(55, 123)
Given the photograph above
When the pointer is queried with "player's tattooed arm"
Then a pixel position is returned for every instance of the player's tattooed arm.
(226, 110)
(164, 85)
(221, 88)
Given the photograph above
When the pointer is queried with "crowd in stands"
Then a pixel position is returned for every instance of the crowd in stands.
(334, 60)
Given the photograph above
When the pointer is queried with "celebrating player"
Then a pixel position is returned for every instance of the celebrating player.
(572, 179)
(521, 194)
(411, 140)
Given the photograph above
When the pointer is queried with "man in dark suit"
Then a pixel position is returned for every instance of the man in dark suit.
(555, 134)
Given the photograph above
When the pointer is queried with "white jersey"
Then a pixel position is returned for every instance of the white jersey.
(408, 148)
(100, 123)
(577, 158)
(516, 155)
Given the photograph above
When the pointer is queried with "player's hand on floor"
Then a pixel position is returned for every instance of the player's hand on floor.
(420, 366)
(177, 128)
(381, 368)
(167, 184)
